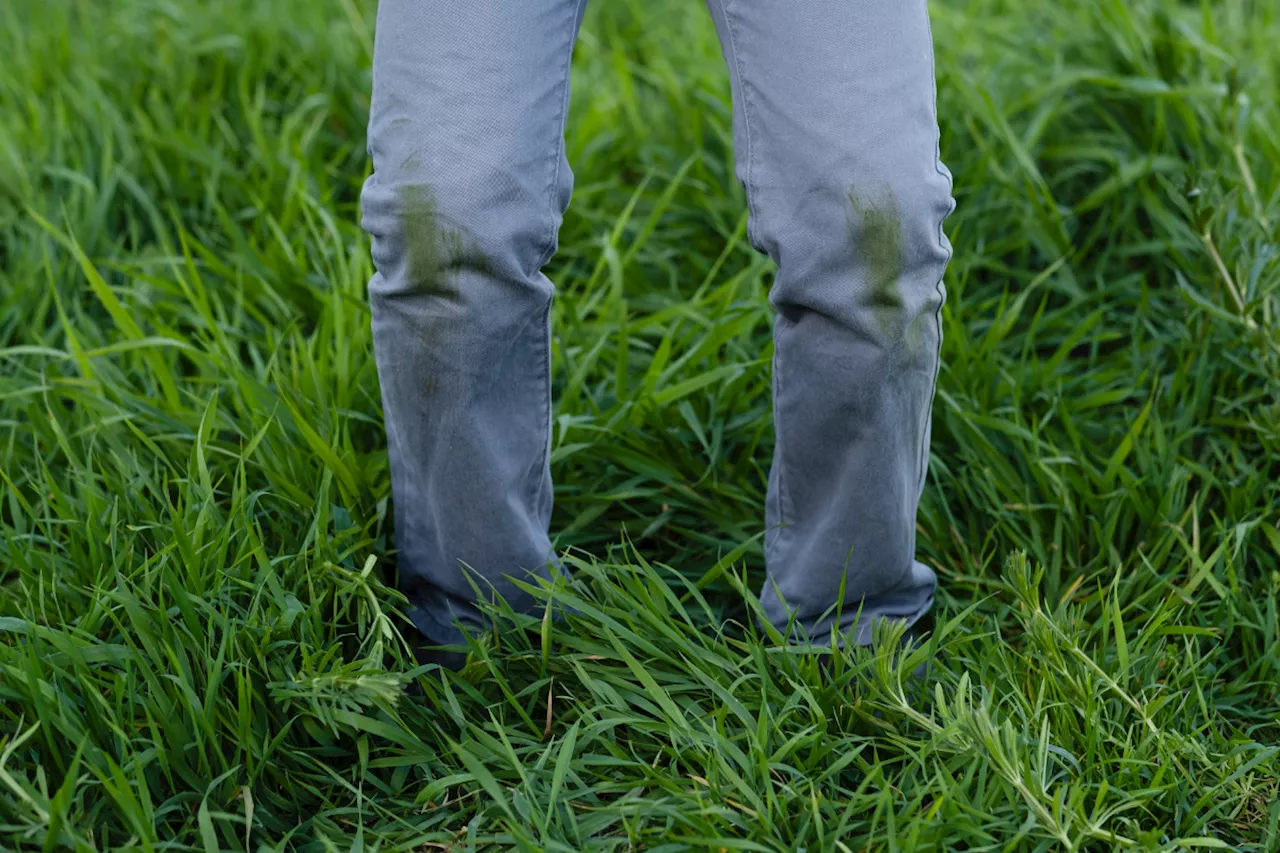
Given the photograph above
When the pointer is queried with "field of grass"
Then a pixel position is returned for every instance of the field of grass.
(200, 646)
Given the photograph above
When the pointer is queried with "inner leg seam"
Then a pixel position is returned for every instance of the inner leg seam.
(948, 251)
(558, 149)
(544, 332)
(749, 182)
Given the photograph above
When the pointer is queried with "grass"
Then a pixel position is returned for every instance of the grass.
(200, 648)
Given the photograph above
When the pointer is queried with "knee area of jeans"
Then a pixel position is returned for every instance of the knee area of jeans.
(869, 257)
(423, 231)
(892, 217)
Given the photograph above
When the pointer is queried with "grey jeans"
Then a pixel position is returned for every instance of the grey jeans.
(836, 141)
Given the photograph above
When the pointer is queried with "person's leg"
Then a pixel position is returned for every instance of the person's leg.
(837, 147)
(469, 185)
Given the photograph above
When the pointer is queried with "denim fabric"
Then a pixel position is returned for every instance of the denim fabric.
(836, 141)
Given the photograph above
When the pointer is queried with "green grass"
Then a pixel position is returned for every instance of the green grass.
(199, 645)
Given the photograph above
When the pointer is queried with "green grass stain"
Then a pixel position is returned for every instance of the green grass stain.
(435, 256)
(875, 230)
(435, 253)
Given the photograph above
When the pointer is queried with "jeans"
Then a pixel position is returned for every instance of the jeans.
(836, 140)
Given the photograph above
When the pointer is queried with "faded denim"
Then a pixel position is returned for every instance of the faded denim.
(836, 141)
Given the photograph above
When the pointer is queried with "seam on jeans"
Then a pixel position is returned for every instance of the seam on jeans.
(753, 219)
(558, 149)
(942, 244)
(783, 509)
(544, 333)
(748, 182)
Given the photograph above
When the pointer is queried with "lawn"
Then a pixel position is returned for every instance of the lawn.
(200, 643)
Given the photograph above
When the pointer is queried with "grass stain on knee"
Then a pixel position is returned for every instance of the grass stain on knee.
(875, 230)
(436, 255)
(435, 252)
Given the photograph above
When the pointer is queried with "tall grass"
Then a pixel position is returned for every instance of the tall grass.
(200, 646)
